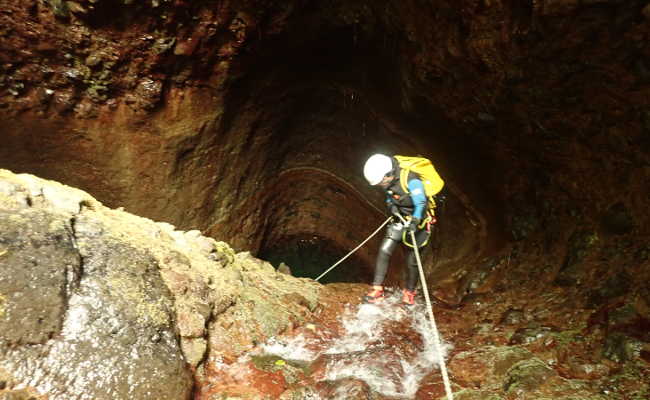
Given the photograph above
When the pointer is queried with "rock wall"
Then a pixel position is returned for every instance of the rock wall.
(97, 303)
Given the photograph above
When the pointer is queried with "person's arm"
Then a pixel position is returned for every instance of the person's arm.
(416, 191)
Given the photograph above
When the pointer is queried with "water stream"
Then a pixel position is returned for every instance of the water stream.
(388, 347)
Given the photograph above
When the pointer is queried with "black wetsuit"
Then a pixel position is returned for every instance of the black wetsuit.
(413, 203)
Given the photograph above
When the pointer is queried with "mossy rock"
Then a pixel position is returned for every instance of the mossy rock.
(633, 375)
(526, 376)
(615, 286)
(621, 348)
(579, 247)
(523, 225)
(530, 335)
(471, 394)
(59, 8)
(487, 366)
(291, 370)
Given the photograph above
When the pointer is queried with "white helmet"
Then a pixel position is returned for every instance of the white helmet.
(377, 166)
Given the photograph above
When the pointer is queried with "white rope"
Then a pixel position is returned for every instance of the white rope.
(436, 337)
(355, 249)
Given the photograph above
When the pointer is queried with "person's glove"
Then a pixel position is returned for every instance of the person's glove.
(412, 224)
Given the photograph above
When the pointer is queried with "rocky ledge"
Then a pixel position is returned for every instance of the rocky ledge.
(97, 303)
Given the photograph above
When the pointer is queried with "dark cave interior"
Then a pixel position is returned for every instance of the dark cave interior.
(252, 123)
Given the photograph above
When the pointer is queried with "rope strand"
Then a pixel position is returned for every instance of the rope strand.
(436, 337)
(353, 250)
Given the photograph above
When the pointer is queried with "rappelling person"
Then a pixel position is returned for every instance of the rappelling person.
(410, 184)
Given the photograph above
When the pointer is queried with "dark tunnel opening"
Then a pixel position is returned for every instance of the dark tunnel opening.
(310, 257)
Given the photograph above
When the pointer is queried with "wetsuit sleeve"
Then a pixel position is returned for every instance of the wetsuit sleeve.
(416, 191)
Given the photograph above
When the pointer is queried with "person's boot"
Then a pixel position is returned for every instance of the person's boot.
(408, 297)
(375, 295)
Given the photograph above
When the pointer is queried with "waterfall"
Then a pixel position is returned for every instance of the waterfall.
(388, 347)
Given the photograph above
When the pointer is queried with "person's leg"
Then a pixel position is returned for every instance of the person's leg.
(408, 294)
(386, 249)
(413, 273)
(383, 259)
(422, 238)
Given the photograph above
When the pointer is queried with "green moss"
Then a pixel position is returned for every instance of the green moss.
(569, 337)
(163, 44)
(97, 80)
(97, 92)
(633, 374)
(623, 315)
(266, 362)
(291, 370)
(579, 245)
(59, 8)
(506, 356)
(526, 376)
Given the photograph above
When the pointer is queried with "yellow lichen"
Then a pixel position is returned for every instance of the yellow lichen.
(144, 308)
(3, 301)
(224, 248)
(56, 225)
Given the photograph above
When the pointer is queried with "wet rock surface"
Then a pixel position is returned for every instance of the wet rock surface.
(97, 303)
(85, 315)
(483, 360)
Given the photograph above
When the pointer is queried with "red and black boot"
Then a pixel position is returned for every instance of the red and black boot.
(408, 297)
(375, 295)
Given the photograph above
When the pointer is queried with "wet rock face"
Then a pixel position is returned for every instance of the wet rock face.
(36, 280)
(100, 304)
(83, 316)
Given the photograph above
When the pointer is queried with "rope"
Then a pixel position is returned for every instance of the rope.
(436, 337)
(355, 249)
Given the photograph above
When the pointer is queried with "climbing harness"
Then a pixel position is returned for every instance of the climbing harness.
(436, 337)
(355, 249)
(426, 225)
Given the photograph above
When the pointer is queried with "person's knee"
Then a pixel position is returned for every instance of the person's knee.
(387, 247)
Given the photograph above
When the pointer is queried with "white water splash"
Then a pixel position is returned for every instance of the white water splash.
(364, 326)
(294, 350)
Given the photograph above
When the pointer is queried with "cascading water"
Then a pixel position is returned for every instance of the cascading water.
(386, 346)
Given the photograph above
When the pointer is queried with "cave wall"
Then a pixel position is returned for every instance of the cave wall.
(248, 119)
